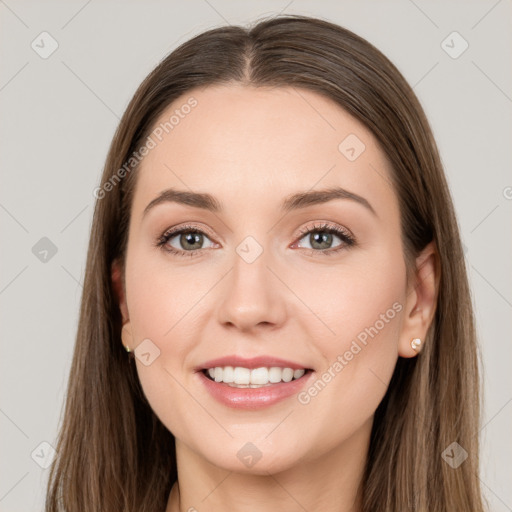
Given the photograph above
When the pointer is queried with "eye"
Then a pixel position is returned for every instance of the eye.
(321, 238)
(184, 241)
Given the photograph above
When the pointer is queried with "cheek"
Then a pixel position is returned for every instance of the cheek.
(361, 311)
(358, 299)
(161, 298)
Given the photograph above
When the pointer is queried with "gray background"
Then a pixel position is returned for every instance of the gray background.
(59, 115)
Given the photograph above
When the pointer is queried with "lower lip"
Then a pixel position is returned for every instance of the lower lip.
(253, 398)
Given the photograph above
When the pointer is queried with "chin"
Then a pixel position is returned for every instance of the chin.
(259, 457)
(268, 463)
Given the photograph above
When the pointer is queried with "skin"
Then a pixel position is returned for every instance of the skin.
(250, 148)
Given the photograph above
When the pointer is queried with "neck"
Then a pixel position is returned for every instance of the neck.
(330, 482)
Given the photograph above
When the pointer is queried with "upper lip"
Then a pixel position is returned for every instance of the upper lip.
(251, 363)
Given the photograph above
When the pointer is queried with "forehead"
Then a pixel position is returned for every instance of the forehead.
(249, 145)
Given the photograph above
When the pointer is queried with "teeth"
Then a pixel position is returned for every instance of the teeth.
(240, 376)
(287, 374)
(228, 374)
(275, 374)
(245, 377)
(259, 376)
(297, 374)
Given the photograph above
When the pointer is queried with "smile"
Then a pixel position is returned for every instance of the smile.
(241, 377)
(254, 388)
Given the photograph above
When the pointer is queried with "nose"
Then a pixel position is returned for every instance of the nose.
(252, 296)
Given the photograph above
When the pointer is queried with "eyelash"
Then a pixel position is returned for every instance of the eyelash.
(347, 239)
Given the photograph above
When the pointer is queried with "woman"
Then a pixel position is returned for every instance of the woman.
(275, 246)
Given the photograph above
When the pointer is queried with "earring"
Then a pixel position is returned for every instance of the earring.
(126, 336)
(415, 343)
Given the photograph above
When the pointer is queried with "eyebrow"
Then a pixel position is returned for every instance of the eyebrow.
(295, 201)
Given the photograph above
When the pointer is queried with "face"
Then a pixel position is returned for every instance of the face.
(317, 283)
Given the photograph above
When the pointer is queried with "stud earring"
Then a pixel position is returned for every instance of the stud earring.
(127, 348)
(415, 343)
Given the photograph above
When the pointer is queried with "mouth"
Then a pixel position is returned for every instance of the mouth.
(245, 388)
(241, 377)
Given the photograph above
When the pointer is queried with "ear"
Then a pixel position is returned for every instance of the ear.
(421, 301)
(119, 289)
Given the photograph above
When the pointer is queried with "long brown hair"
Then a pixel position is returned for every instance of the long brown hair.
(114, 453)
